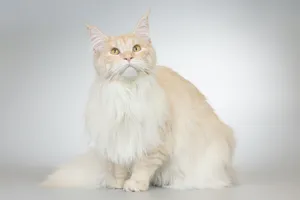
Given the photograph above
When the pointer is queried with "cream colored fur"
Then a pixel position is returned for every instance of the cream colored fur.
(152, 127)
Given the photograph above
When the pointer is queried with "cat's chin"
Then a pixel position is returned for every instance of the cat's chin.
(130, 73)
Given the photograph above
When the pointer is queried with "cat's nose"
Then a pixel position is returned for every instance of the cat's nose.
(128, 58)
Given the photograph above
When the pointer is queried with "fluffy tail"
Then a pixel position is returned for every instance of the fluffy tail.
(85, 171)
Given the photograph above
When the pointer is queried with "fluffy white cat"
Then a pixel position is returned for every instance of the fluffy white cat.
(148, 124)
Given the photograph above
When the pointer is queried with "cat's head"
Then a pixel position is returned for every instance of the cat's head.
(123, 57)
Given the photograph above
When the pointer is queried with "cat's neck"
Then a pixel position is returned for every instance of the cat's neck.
(128, 83)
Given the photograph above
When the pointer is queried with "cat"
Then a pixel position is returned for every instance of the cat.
(149, 125)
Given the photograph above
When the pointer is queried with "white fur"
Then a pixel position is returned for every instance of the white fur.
(130, 73)
(124, 118)
(85, 171)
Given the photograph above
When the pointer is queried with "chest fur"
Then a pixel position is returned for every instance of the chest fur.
(125, 121)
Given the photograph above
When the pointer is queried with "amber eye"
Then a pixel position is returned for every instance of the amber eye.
(114, 51)
(136, 48)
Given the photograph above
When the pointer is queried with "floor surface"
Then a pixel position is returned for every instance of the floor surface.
(22, 183)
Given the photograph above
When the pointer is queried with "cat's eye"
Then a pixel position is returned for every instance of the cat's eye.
(136, 48)
(115, 51)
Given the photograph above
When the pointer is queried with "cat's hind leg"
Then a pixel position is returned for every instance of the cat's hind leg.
(214, 170)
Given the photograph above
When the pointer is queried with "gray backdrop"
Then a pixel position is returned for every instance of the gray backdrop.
(243, 55)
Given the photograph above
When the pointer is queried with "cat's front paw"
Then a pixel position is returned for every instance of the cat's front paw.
(136, 186)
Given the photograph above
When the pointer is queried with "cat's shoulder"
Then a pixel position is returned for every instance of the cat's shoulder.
(166, 75)
(173, 82)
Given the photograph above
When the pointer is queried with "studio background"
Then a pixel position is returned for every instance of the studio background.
(243, 55)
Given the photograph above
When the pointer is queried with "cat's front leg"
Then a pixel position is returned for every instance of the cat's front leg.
(144, 169)
(119, 175)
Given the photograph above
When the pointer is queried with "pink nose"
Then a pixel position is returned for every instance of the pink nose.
(128, 58)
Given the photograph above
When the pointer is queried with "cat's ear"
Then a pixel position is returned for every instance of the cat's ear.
(142, 28)
(98, 39)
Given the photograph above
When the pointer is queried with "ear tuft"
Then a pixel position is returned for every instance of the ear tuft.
(142, 28)
(97, 38)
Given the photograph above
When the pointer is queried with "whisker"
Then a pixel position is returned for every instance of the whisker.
(112, 74)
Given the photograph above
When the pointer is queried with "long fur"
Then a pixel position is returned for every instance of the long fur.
(201, 152)
(84, 171)
(134, 112)
(155, 128)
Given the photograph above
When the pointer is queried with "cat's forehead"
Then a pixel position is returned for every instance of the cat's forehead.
(124, 41)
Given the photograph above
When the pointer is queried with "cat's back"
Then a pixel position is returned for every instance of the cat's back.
(187, 103)
(189, 107)
(177, 87)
